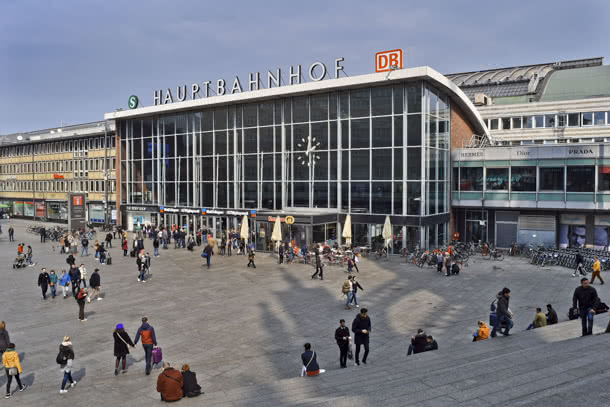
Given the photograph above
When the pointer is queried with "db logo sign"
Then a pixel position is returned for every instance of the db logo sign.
(388, 60)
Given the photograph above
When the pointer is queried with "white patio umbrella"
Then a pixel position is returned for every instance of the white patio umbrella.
(243, 233)
(387, 232)
(347, 230)
(276, 235)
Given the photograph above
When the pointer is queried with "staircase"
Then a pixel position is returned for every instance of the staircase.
(547, 366)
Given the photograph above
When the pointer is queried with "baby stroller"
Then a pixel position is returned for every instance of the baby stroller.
(19, 261)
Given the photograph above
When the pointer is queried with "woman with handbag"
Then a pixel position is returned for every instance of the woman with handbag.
(310, 362)
(10, 360)
(121, 349)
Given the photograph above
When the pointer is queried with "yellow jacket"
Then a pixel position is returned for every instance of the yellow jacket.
(596, 265)
(10, 358)
(482, 333)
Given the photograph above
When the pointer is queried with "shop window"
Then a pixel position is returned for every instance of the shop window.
(523, 179)
(497, 179)
(551, 178)
(581, 179)
(471, 179)
(603, 179)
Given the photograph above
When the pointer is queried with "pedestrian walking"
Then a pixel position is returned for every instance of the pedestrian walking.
(361, 327)
(124, 247)
(319, 267)
(75, 279)
(4, 337)
(83, 275)
(53, 283)
(122, 341)
(81, 298)
(355, 260)
(64, 282)
(156, 247)
(596, 267)
(207, 253)
(347, 290)
(95, 283)
(109, 240)
(65, 359)
(355, 286)
(503, 314)
(585, 297)
(84, 243)
(310, 362)
(70, 260)
(281, 254)
(12, 366)
(11, 234)
(149, 340)
(102, 254)
(251, 258)
(342, 336)
(29, 254)
(96, 247)
(43, 282)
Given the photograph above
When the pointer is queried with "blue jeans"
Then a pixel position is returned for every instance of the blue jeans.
(509, 325)
(348, 298)
(354, 299)
(148, 348)
(586, 318)
(156, 251)
(207, 259)
(102, 258)
(84, 250)
(53, 291)
(142, 274)
(67, 376)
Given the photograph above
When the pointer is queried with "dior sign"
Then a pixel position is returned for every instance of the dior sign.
(316, 72)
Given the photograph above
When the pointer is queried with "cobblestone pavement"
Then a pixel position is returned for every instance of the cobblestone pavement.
(238, 326)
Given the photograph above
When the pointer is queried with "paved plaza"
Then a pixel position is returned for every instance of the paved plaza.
(242, 332)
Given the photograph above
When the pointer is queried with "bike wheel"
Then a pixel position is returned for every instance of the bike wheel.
(500, 256)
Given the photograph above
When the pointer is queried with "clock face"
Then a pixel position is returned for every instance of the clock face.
(309, 156)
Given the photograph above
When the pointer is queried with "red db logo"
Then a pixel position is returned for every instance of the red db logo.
(388, 60)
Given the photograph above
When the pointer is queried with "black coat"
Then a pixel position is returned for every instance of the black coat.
(357, 326)
(120, 348)
(43, 279)
(585, 297)
(95, 280)
(190, 387)
(551, 317)
(419, 343)
(340, 333)
(502, 309)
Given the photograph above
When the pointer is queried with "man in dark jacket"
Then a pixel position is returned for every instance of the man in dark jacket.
(95, 283)
(430, 344)
(43, 235)
(418, 343)
(281, 254)
(342, 338)
(361, 327)
(586, 298)
(75, 278)
(149, 340)
(4, 338)
(208, 254)
(43, 282)
(551, 315)
(84, 247)
(502, 313)
(169, 383)
(109, 240)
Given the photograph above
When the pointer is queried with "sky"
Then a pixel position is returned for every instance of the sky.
(69, 61)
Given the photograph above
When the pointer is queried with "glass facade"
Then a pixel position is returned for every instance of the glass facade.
(380, 150)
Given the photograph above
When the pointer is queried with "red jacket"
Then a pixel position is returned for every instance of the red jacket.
(169, 384)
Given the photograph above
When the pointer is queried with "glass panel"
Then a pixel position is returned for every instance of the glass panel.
(301, 194)
(382, 132)
(359, 102)
(493, 124)
(505, 123)
(603, 178)
(319, 135)
(266, 139)
(250, 194)
(398, 141)
(250, 114)
(250, 144)
(539, 121)
(398, 163)
(321, 165)
(523, 179)
(550, 120)
(471, 178)
(360, 133)
(599, 118)
(573, 119)
(414, 163)
(333, 135)
(398, 99)
(381, 195)
(528, 122)
(382, 163)
(320, 195)
(587, 119)
(413, 91)
(414, 130)
(516, 122)
(221, 142)
(319, 107)
(360, 197)
(332, 196)
(581, 179)
(497, 179)
(413, 198)
(551, 178)
(381, 101)
(360, 165)
(398, 198)
(345, 165)
(265, 113)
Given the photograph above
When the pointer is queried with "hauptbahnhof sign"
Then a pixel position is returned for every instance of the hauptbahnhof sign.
(316, 72)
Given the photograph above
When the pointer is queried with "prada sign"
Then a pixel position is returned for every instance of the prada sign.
(198, 90)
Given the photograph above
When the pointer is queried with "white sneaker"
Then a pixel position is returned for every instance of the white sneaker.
(139, 280)
(63, 391)
(84, 320)
(357, 306)
(574, 275)
(73, 383)
(99, 299)
(88, 300)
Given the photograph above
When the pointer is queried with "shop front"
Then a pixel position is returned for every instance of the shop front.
(135, 217)
(57, 211)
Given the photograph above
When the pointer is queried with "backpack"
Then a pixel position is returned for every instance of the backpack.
(573, 314)
(80, 295)
(601, 308)
(61, 358)
(346, 287)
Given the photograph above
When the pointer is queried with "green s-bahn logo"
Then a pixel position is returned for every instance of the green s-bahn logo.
(132, 102)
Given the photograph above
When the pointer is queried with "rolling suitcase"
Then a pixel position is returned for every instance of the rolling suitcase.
(157, 355)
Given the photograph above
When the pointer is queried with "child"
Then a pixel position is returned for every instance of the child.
(10, 360)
